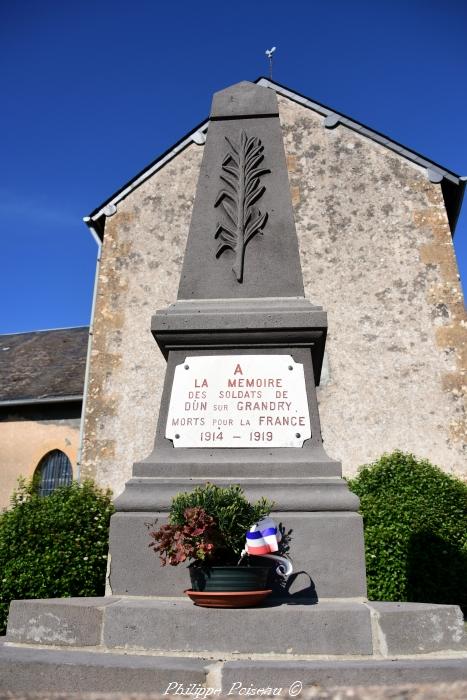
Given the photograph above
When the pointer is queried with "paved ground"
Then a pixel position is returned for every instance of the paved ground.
(438, 691)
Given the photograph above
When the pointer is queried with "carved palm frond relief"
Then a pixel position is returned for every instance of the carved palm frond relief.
(241, 175)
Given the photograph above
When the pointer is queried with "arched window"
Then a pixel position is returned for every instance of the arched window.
(53, 470)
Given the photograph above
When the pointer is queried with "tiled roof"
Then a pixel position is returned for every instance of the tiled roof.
(43, 365)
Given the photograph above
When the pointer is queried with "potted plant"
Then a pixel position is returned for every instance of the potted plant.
(208, 527)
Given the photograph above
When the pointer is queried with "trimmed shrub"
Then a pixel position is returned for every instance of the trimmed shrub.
(415, 520)
(208, 524)
(53, 546)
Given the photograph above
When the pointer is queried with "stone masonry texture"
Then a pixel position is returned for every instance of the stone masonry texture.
(376, 253)
(140, 269)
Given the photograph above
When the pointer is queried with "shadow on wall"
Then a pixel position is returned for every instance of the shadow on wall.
(415, 524)
(436, 570)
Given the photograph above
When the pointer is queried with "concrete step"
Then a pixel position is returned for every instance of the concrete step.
(24, 669)
(290, 676)
(58, 670)
(165, 625)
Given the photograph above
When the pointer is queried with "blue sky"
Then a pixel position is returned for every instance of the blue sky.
(93, 91)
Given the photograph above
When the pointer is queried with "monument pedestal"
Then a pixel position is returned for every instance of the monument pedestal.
(330, 563)
(310, 496)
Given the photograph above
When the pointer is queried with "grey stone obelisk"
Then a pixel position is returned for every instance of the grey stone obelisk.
(241, 293)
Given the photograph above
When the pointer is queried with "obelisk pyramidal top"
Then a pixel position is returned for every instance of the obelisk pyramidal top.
(242, 241)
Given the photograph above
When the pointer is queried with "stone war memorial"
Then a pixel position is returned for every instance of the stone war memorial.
(244, 350)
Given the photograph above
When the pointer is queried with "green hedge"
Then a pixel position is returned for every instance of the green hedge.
(415, 520)
(55, 546)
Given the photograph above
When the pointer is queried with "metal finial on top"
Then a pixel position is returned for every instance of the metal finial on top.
(269, 53)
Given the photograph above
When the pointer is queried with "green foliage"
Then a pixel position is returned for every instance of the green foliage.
(54, 546)
(233, 513)
(209, 523)
(415, 520)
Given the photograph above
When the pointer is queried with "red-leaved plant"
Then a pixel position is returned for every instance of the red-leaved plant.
(207, 526)
(195, 539)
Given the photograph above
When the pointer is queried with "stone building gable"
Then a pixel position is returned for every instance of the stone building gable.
(376, 252)
(140, 268)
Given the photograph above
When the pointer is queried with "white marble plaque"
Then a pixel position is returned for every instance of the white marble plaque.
(238, 401)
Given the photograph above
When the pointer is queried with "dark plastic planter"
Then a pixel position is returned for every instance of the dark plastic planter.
(228, 578)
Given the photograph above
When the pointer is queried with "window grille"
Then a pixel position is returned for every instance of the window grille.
(54, 470)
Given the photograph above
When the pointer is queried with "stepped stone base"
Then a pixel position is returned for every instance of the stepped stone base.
(144, 644)
(167, 625)
(36, 670)
(26, 669)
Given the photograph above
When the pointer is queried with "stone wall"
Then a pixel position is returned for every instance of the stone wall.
(376, 252)
(140, 268)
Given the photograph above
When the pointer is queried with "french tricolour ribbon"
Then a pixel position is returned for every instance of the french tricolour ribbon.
(262, 537)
